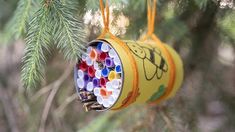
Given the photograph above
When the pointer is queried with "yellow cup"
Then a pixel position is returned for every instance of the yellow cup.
(153, 71)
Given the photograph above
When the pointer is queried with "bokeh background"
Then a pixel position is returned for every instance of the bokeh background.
(202, 31)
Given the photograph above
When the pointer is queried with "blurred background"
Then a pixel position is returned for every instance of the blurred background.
(202, 31)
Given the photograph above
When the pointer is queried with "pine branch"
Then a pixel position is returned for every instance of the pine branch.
(17, 24)
(92, 5)
(68, 32)
(37, 42)
(53, 21)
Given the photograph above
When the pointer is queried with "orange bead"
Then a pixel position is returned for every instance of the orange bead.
(93, 54)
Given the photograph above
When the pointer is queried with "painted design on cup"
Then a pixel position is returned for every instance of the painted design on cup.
(151, 57)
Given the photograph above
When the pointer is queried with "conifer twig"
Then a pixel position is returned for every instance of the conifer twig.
(37, 43)
(54, 21)
(17, 24)
(67, 31)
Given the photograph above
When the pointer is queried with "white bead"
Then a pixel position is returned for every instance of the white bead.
(98, 74)
(116, 93)
(109, 86)
(99, 99)
(88, 51)
(89, 86)
(80, 83)
(112, 53)
(106, 103)
(80, 74)
(105, 47)
(89, 61)
(116, 60)
(96, 66)
(111, 100)
(84, 57)
(116, 83)
(97, 91)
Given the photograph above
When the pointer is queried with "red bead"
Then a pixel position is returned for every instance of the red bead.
(83, 66)
(102, 56)
(103, 81)
(91, 71)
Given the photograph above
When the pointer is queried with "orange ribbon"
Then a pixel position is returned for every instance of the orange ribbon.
(150, 34)
(135, 81)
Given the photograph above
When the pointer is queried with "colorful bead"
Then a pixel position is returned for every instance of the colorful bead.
(102, 56)
(112, 75)
(83, 66)
(105, 72)
(105, 47)
(91, 71)
(103, 81)
(118, 69)
(96, 82)
(99, 75)
(109, 62)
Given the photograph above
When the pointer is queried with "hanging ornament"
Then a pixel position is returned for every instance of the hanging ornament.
(114, 73)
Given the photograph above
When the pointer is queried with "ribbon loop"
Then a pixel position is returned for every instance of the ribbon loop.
(151, 16)
(105, 17)
(151, 6)
(135, 81)
(151, 13)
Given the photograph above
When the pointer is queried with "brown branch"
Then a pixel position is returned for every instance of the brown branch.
(9, 111)
(55, 88)
(68, 100)
(43, 91)
(167, 120)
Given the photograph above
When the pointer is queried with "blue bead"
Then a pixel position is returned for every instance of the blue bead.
(118, 69)
(105, 72)
(86, 78)
(99, 45)
(96, 82)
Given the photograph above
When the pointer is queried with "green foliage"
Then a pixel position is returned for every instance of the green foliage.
(137, 20)
(171, 30)
(17, 25)
(201, 3)
(54, 21)
(37, 42)
(20, 18)
(7, 9)
(67, 31)
(94, 4)
(227, 24)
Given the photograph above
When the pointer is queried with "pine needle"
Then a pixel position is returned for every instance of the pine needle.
(37, 43)
(68, 32)
(16, 27)
(54, 21)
